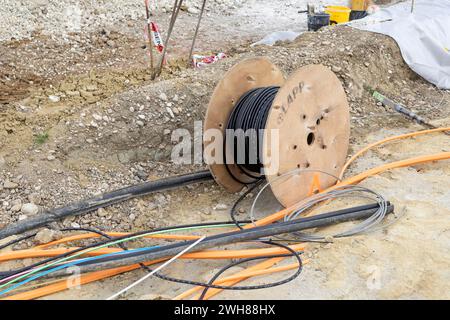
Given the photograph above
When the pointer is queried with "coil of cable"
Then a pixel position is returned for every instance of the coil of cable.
(247, 121)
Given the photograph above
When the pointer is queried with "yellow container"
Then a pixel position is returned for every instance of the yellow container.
(338, 14)
(360, 5)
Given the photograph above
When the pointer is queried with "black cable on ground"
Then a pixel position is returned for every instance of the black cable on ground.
(224, 239)
(103, 200)
(210, 285)
(12, 242)
(238, 201)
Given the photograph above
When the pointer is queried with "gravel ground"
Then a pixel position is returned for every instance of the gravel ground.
(21, 19)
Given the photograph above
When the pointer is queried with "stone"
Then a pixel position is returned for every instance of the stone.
(51, 157)
(35, 198)
(46, 236)
(170, 112)
(10, 185)
(29, 209)
(221, 206)
(336, 69)
(163, 96)
(54, 98)
(16, 207)
(102, 212)
(75, 225)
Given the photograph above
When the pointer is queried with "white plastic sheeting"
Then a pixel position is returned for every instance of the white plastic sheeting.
(423, 36)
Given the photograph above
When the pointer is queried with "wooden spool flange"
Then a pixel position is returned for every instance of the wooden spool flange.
(310, 113)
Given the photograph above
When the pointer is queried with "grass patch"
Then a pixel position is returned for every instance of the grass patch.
(41, 138)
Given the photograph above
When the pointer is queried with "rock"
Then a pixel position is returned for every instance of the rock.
(22, 217)
(91, 87)
(89, 141)
(10, 185)
(16, 207)
(221, 206)
(35, 198)
(142, 175)
(170, 112)
(140, 123)
(51, 158)
(102, 212)
(54, 98)
(336, 69)
(163, 96)
(75, 225)
(46, 236)
(29, 209)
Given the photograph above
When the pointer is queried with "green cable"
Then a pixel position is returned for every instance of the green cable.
(108, 245)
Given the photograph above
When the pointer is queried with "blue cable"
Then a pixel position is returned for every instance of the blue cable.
(66, 265)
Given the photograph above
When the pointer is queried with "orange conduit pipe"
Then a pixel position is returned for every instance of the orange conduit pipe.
(99, 275)
(84, 236)
(206, 254)
(63, 284)
(378, 143)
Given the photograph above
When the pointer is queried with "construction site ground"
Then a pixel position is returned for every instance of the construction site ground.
(79, 115)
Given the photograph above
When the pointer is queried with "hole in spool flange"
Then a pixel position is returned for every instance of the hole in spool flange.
(310, 138)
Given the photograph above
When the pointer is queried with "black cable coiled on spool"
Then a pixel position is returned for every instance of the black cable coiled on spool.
(249, 117)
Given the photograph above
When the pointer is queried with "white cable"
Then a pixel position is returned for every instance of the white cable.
(157, 269)
(339, 192)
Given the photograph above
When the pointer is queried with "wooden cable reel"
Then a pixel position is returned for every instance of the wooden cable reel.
(310, 112)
